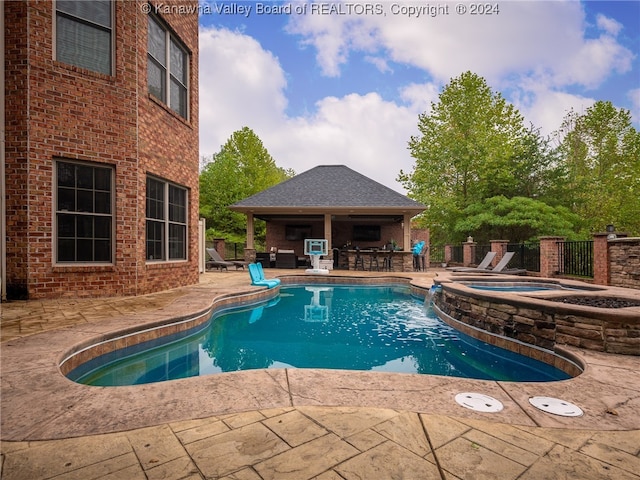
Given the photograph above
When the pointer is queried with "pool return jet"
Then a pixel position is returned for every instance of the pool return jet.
(315, 248)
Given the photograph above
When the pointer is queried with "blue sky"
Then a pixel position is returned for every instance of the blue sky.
(331, 88)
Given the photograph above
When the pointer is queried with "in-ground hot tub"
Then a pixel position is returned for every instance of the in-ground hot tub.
(550, 313)
(522, 286)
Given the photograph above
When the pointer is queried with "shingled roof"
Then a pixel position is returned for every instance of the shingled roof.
(329, 188)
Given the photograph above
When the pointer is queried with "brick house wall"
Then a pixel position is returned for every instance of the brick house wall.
(60, 111)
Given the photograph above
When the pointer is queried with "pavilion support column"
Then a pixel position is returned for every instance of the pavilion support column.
(406, 234)
(250, 230)
(250, 250)
(327, 230)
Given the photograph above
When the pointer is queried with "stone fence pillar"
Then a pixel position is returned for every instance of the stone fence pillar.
(601, 264)
(448, 253)
(468, 252)
(549, 258)
(220, 246)
(500, 247)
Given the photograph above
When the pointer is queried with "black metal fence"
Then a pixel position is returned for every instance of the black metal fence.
(481, 252)
(575, 258)
(457, 255)
(436, 254)
(232, 251)
(527, 256)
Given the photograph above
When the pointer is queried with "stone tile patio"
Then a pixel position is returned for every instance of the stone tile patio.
(291, 424)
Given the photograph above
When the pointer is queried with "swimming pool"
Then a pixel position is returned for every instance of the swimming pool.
(381, 328)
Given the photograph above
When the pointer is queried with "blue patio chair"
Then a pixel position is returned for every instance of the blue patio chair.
(257, 277)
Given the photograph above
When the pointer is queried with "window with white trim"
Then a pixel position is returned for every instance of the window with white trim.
(166, 219)
(84, 34)
(84, 213)
(167, 67)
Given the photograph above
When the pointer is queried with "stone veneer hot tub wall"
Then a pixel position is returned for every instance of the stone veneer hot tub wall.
(534, 319)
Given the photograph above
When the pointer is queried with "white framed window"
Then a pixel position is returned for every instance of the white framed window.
(84, 34)
(83, 212)
(166, 221)
(167, 67)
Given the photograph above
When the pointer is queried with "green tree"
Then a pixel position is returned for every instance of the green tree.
(517, 219)
(473, 145)
(601, 150)
(243, 167)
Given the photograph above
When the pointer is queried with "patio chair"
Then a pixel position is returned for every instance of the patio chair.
(483, 265)
(215, 256)
(359, 260)
(257, 277)
(501, 267)
(387, 263)
(217, 261)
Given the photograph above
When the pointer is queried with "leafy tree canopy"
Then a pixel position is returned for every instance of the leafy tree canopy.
(516, 219)
(243, 167)
(473, 145)
(601, 150)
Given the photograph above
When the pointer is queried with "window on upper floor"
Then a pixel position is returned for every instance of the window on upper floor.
(84, 34)
(167, 67)
(166, 231)
(84, 212)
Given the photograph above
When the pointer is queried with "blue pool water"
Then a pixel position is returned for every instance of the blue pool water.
(518, 287)
(334, 327)
(513, 288)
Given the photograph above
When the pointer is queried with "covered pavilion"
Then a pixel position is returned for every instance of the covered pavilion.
(332, 202)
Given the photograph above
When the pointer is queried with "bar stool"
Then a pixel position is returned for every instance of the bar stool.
(359, 260)
(373, 259)
(387, 263)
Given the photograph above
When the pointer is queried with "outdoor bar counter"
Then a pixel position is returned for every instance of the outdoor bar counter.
(401, 261)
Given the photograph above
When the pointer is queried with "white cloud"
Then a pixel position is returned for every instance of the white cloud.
(420, 96)
(609, 25)
(532, 50)
(542, 38)
(236, 89)
(362, 131)
(546, 108)
(593, 62)
(365, 133)
(634, 96)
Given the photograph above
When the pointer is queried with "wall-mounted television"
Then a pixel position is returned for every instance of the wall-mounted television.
(366, 233)
(297, 232)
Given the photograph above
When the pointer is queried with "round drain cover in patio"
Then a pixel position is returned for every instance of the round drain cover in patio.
(479, 402)
(556, 406)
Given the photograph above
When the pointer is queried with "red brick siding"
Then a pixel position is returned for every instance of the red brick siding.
(169, 148)
(16, 139)
(549, 260)
(55, 110)
(601, 259)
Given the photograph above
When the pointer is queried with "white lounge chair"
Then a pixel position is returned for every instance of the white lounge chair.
(501, 267)
(483, 265)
